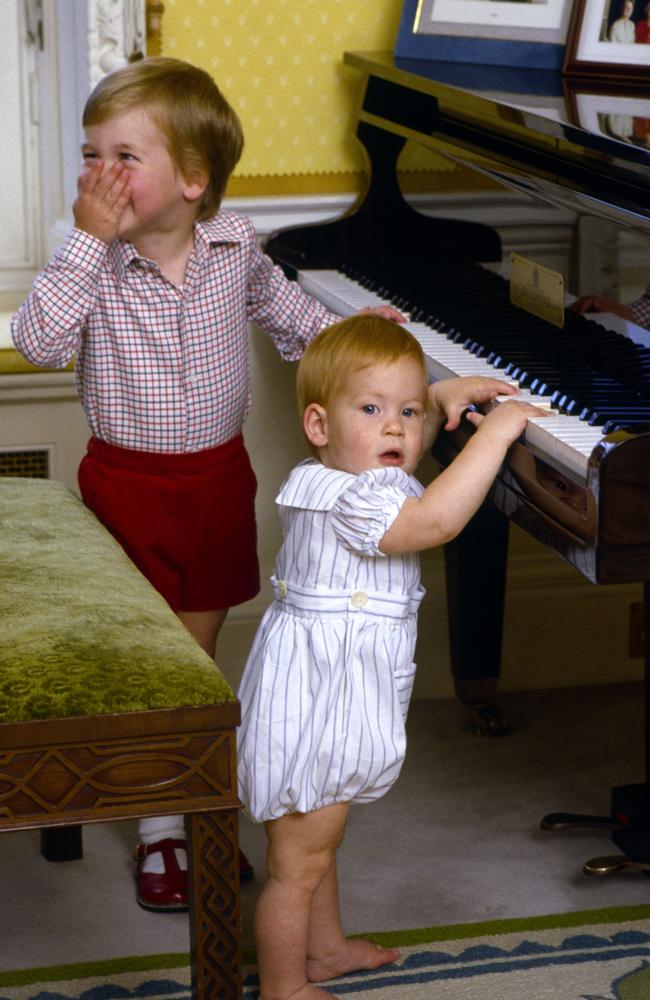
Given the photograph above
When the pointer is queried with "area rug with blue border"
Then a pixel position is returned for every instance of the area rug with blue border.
(591, 955)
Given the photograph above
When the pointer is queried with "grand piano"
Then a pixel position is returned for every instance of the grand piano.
(579, 479)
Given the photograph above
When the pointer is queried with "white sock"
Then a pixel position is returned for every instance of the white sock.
(155, 828)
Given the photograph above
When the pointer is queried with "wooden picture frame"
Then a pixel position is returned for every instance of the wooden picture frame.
(611, 39)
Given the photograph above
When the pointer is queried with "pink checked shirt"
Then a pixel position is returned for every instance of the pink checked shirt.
(641, 309)
(161, 368)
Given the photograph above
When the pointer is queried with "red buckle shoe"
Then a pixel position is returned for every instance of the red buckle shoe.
(167, 891)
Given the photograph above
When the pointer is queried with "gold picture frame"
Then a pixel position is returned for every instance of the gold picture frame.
(154, 10)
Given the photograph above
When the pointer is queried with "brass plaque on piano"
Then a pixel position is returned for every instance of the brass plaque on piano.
(537, 289)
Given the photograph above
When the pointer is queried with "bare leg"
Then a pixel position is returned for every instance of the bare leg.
(300, 853)
(329, 952)
(204, 626)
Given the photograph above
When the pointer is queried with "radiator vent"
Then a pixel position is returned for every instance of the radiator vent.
(35, 463)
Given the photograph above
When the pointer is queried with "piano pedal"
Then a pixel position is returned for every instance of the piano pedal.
(486, 718)
(576, 821)
(611, 864)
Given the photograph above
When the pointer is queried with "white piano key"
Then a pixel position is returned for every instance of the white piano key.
(340, 294)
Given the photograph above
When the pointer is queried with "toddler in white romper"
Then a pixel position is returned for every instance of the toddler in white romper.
(327, 684)
(345, 615)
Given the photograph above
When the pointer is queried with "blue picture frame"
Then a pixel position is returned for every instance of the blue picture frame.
(478, 44)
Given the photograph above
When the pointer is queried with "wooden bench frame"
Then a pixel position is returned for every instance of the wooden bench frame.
(71, 771)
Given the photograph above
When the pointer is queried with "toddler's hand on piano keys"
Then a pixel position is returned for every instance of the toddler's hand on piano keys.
(507, 420)
(452, 396)
(386, 312)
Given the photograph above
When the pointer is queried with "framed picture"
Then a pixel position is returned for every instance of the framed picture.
(622, 116)
(501, 32)
(610, 38)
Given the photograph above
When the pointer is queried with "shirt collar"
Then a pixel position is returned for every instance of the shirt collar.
(222, 228)
(120, 255)
(226, 227)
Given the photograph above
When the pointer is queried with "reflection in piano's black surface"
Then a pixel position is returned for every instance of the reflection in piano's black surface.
(546, 94)
(532, 123)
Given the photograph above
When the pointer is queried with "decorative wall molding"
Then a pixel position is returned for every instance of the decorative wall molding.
(117, 34)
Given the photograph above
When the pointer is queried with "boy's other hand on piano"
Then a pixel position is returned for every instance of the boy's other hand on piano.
(386, 312)
(450, 397)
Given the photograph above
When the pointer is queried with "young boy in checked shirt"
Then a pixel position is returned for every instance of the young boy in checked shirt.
(153, 292)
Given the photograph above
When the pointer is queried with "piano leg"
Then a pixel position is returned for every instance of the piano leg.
(476, 616)
(629, 819)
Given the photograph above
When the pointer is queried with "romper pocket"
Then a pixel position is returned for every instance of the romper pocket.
(404, 679)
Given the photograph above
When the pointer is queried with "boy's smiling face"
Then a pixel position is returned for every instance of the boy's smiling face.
(160, 195)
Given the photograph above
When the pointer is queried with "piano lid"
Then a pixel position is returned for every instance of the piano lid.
(576, 144)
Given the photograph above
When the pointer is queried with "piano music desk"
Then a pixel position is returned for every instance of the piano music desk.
(109, 710)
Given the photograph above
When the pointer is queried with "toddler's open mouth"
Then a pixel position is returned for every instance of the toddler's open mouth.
(391, 457)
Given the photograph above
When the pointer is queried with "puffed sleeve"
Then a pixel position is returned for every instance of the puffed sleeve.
(364, 512)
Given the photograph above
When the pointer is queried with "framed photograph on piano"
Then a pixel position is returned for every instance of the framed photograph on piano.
(493, 32)
(610, 38)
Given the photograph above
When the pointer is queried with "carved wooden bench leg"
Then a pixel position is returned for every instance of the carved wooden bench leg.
(215, 926)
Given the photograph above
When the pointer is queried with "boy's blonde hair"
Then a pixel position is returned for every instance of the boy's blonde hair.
(355, 343)
(203, 134)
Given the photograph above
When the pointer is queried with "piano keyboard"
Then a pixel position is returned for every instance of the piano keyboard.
(562, 439)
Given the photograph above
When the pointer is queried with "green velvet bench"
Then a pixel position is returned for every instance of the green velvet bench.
(110, 711)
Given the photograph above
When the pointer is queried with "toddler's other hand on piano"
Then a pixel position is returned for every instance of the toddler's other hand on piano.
(386, 312)
(450, 397)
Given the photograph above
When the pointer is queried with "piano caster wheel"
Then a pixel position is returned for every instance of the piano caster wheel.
(613, 863)
(575, 821)
(487, 719)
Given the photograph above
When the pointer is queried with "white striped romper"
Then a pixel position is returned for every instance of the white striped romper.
(328, 681)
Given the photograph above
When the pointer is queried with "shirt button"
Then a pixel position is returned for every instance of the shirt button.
(192, 379)
(359, 599)
(282, 588)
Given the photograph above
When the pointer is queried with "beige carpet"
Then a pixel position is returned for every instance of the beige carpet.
(456, 841)
(595, 955)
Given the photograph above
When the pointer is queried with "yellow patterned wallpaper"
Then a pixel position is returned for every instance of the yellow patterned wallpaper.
(279, 63)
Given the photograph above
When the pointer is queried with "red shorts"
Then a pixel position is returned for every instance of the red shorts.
(186, 520)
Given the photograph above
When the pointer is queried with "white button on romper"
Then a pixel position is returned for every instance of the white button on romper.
(327, 684)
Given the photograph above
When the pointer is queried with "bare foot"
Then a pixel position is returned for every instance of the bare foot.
(353, 956)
